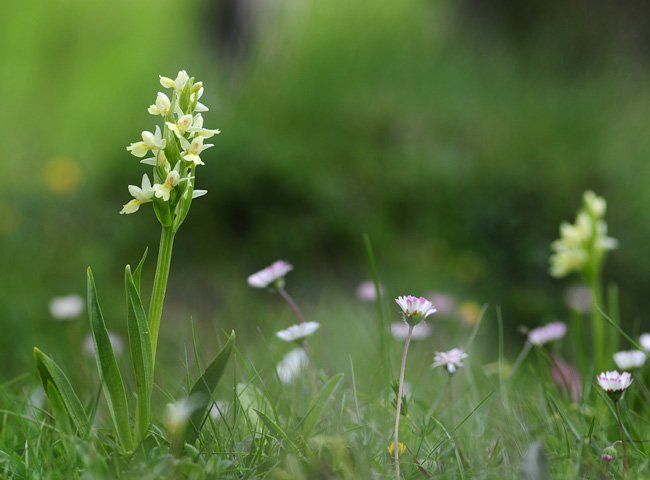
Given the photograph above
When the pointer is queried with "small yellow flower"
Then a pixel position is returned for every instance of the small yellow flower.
(391, 449)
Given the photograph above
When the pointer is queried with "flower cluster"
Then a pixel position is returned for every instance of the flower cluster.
(630, 360)
(175, 151)
(584, 241)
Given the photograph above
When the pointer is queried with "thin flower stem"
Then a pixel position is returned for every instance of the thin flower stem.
(292, 304)
(399, 402)
(312, 366)
(620, 425)
(160, 286)
(451, 398)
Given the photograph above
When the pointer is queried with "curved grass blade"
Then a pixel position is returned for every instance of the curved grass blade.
(276, 430)
(109, 373)
(203, 388)
(138, 270)
(309, 421)
(141, 352)
(52, 375)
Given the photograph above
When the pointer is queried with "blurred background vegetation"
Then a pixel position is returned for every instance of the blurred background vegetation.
(458, 135)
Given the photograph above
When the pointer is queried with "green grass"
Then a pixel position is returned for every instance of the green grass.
(485, 433)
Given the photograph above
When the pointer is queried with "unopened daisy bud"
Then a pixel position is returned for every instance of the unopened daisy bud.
(630, 360)
(162, 105)
(163, 191)
(614, 383)
(414, 309)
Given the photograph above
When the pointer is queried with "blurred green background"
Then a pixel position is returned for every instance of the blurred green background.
(458, 135)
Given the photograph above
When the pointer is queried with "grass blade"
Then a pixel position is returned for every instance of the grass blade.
(137, 273)
(51, 374)
(141, 353)
(309, 421)
(204, 386)
(109, 373)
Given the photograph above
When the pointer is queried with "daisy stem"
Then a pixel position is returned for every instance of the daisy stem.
(160, 286)
(292, 304)
(399, 402)
(620, 425)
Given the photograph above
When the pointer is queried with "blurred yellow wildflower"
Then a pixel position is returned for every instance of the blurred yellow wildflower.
(61, 174)
(391, 449)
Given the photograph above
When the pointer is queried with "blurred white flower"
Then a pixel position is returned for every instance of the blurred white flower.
(451, 360)
(366, 291)
(644, 341)
(546, 334)
(219, 409)
(579, 297)
(272, 276)
(415, 309)
(68, 307)
(298, 332)
(292, 365)
(116, 342)
(595, 205)
(399, 330)
(178, 413)
(630, 360)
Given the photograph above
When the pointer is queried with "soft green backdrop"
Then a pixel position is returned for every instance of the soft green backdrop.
(456, 144)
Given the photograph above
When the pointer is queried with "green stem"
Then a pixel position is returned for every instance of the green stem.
(160, 286)
(620, 425)
(600, 354)
(399, 402)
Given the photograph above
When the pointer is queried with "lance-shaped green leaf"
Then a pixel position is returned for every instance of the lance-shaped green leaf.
(52, 376)
(308, 423)
(109, 373)
(137, 273)
(204, 387)
(141, 354)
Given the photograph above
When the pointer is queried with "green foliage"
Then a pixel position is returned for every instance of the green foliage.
(55, 381)
(204, 387)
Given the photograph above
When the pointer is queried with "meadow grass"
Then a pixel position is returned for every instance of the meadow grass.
(503, 422)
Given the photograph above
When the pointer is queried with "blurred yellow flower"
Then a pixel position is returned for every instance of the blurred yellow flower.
(11, 219)
(61, 174)
(469, 312)
(391, 449)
